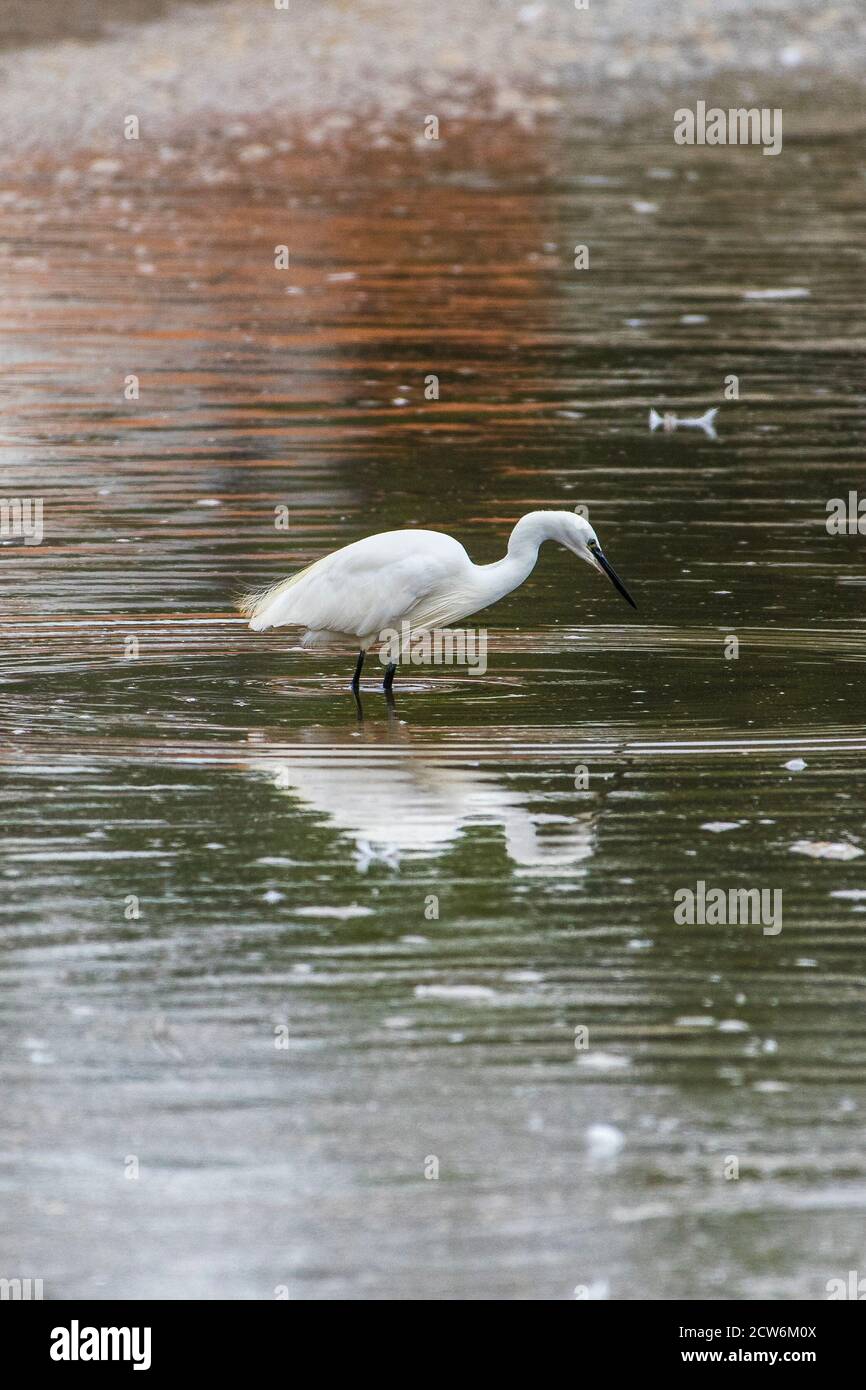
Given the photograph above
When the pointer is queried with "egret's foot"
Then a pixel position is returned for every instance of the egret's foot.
(389, 677)
(356, 679)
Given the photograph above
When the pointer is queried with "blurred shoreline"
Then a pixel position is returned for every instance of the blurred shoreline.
(320, 73)
(23, 24)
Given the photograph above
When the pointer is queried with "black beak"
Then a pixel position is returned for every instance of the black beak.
(612, 575)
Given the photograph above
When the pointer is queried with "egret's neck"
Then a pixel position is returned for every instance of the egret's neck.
(506, 574)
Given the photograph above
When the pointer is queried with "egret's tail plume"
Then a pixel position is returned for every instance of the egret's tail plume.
(251, 604)
(257, 604)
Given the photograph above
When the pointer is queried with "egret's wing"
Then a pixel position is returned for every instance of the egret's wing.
(361, 589)
(440, 607)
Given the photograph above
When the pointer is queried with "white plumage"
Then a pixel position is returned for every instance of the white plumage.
(422, 578)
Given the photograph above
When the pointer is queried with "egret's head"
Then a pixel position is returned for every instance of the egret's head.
(579, 536)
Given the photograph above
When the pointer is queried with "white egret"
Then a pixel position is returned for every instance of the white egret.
(422, 578)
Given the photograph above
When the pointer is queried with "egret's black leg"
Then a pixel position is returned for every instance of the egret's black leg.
(389, 677)
(356, 679)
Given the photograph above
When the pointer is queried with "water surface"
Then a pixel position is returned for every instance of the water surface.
(426, 904)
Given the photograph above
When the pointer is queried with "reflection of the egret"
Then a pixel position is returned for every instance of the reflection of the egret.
(403, 801)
